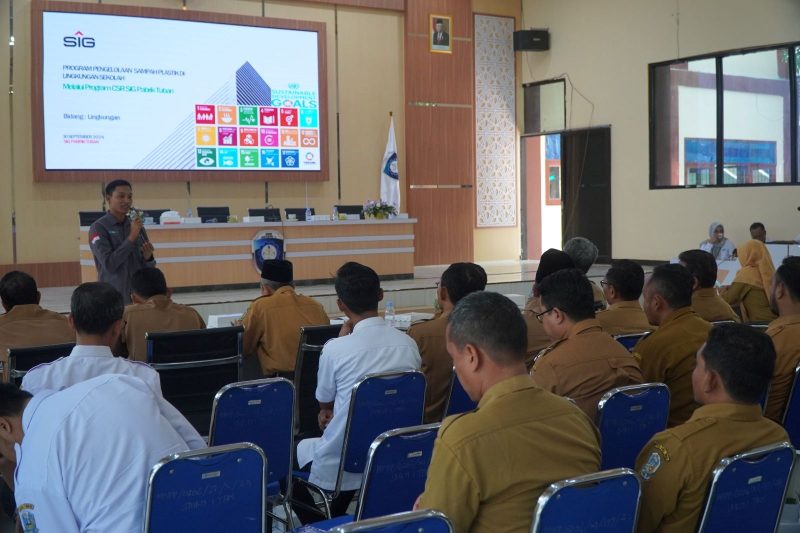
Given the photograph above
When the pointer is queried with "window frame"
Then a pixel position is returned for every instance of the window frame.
(719, 165)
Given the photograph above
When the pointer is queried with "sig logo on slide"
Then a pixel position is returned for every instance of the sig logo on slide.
(79, 40)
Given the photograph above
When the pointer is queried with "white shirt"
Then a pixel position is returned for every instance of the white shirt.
(86, 362)
(373, 347)
(86, 455)
(725, 253)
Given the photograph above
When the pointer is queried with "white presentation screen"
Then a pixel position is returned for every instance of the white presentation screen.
(134, 93)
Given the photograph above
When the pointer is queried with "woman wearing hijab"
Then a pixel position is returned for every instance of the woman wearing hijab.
(717, 244)
(750, 286)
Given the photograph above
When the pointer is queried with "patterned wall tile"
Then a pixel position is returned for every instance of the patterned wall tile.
(495, 122)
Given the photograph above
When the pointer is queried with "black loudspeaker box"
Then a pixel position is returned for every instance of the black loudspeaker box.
(538, 40)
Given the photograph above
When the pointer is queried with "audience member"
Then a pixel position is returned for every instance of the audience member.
(459, 280)
(152, 311)
(717, 244)
(622, 288)
(272, 322)
(490, 465)
(367, 345)
(751, 283)
(583, 253)
(758, 232)
(706, 301)
(668, 354)
(551, 261)
(785, 333)
(25, 323)
(96, 318)
(584, 362)
(84, 453)
(732, 373)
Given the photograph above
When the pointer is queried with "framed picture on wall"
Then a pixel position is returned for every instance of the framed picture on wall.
(441, 41)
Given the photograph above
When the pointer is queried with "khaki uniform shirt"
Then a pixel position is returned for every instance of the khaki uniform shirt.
(490, 465)
(30, 325)
(537, 338)
(668, 356)
(785, 333)
(272, 327)
(436, 364)
(159, 313)
(676, 464)
(752, 301)
(711, 307)
(622, 318)
(585, 365)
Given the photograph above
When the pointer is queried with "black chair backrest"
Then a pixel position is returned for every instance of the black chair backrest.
(213, 214)
(299, 212)
(350, 210)
(269, 214)
(155, 213)
(312, 338)
(20, 360)
(87, 218)
(194, 365)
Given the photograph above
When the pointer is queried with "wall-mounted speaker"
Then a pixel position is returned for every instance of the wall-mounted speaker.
(537, 40)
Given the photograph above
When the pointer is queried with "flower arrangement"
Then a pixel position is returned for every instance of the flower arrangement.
(378, 209)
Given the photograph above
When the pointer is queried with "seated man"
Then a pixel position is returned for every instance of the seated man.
(733, 371)
(551, 261)
(785, 333)
(583, 253)
(622, 288)
(85, 453)
(584, 362)
(272, 322)
(96, 317)
(25, 323)
(668, 354)
(706, 301)
(366, 345)
(152, 311)
(490, 465)
(457, 281)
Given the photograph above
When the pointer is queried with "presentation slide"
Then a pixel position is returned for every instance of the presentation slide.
(133, 93)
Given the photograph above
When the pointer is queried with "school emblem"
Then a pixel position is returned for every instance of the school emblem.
(651, 466)
(26, 518)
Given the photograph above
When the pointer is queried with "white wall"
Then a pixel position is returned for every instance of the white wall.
(605, 48)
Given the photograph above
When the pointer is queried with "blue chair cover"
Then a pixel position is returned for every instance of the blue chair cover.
(629, 340)
(412, 522)
(627, 418)
(210, 490)
(606, 501)
(458, 401)
(791, 416)
(747, 491)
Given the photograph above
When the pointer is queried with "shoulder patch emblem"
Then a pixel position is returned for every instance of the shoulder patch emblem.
(651, 466)
(26, 519)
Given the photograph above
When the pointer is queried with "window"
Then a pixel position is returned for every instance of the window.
(552, 162)
(724, 120)
(545, 106)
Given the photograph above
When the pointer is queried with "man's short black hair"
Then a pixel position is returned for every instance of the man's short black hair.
(701, 265)
(674, 283)
(491, 322)
(744, 358)
(789, 274)
(461, 279)
(114, 184)
(95, 307)
(358, 287)
(571, 292)
(12, 399)
(148, 282)
(757, 225)
(627, 278)
(18, 288)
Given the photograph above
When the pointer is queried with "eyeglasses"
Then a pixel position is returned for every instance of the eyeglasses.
(540, 316)
(437, 284)
(604, 283)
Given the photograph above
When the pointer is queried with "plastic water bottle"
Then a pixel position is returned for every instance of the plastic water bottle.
(308, 214)
(334, 213)
(388, 312)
